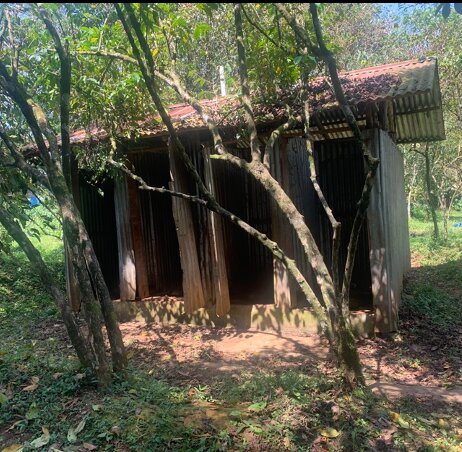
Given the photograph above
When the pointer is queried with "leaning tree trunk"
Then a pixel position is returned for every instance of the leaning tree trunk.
(80, 343)
(85, 263)
(87, 267)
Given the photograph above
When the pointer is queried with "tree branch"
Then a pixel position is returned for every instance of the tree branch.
(65, 92)
(108, 54)
(372, 162)
(262, 31)
(242, 65)
(21, 163)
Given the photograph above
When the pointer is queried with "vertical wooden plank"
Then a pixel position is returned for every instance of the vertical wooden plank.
(193, 293)
(127, 268)
(204, 245)
(220, 276)
(284, 288)
(142, 283)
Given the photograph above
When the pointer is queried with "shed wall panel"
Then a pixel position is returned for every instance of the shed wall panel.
(98, 214)
(340, 169)
(159, 233)
(389, 232)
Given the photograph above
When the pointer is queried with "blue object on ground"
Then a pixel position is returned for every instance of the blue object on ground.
(457, 225)
(34, 201)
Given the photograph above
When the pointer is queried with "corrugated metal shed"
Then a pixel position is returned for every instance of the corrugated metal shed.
(409, 91)
(403, 98)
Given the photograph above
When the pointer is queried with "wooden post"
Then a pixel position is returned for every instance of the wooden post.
(193, 293)
(142, 283)
(127, 268)
(219, 275)
(284, 288)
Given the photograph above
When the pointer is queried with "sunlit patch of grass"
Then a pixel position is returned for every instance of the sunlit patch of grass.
(435, 252)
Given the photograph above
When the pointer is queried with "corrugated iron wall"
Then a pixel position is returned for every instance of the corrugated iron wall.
(389, 232)
(340, 169)
(305, 199)
(249, 264)
(247, 261)
(159, 233)
(97, 210)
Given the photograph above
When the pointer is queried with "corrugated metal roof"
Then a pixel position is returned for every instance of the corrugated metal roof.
(412, 88)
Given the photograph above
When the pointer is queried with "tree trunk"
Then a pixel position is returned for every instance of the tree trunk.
(430, 194)
(348, 356)
(80, 343)
(86, 263)
(445, 221)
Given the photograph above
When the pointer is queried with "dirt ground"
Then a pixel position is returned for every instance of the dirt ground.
(197, 354)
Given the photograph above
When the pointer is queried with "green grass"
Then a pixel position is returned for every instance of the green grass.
(250, 409)
(436, 291)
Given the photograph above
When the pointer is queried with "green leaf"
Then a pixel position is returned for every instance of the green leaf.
(33, 412)
(201, 30)
(73, 432)
(330, 433)
(257, 407)
(3, 399)
(41, 440)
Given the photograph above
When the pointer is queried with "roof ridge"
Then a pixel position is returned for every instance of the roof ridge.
(388, 66)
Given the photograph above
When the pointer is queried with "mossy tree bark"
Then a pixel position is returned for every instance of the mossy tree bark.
(97, 304)
(78, 340)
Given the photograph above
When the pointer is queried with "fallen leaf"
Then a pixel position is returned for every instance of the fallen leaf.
(13, 448)
(3, 398)
(30, 388)
(330, 433)
(89, 446)
(35, 379)
(335, 412)
(41, 440)
(57, 375)
(73, 432)
(79, 376)
(257, 407)
(96, 407)
(32, 412)
(387, 435)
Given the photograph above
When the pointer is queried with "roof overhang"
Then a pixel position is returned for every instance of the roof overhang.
(407, 102)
